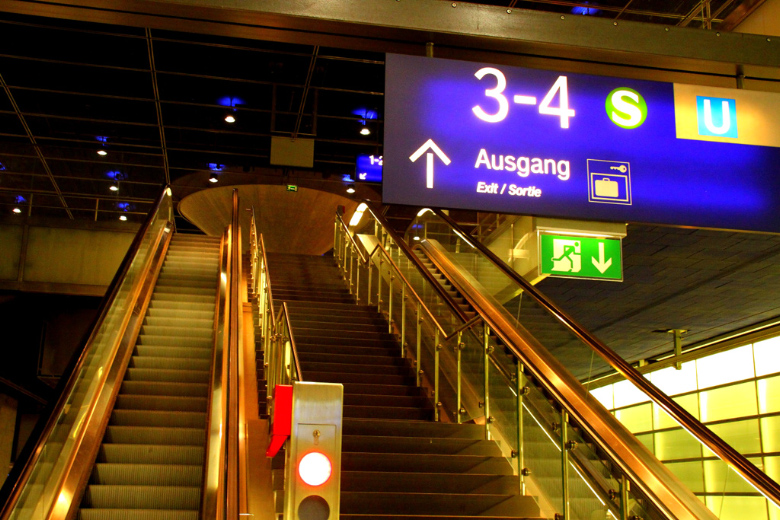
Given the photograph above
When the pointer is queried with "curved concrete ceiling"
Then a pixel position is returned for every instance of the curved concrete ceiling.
(292, 222)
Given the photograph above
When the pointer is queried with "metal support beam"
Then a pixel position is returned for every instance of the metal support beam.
(456, 28)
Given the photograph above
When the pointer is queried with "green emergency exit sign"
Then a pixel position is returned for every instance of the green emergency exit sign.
(292, 187)
(581, 257)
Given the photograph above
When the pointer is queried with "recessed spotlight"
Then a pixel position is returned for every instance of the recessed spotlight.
(122, 217)
(230, 118)
(365, 131)
(17, 210)
(102, 152)
(417, 238)
(213, 178)
(350, 188)
(114, 186)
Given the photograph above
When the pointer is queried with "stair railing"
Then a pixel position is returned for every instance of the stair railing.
(350, 257)
(624, 481)
(48, 479)
(281, 360)
(729, 457)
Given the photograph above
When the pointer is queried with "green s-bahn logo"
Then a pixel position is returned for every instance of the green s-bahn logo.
(626, 108)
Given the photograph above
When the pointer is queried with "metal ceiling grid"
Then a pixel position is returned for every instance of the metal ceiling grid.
(155, 101)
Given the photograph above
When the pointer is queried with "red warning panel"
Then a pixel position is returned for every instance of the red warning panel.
(282, 418)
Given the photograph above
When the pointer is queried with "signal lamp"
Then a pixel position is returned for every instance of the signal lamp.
(315, 468)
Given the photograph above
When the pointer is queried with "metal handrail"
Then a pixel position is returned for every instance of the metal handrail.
(443, 294)
(765, 485)
(267, 280)
(293, 349)
(31, 453)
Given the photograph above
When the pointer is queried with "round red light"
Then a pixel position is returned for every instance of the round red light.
(315, 468)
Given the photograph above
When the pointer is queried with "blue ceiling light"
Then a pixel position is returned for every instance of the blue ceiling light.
(365, 116)
(102, 150)
(231, 102)
(19, 199)
(2, 167)
(583, 10)
(125, 206)
(117, 175)
(215, 167)
(347, 177)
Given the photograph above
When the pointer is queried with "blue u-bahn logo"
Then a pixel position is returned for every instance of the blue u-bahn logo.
(716, 116)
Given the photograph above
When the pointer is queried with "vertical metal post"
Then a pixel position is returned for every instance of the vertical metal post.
(437, 349)
(458, 349)
(346, 245)
(370, 276)
(565, 463)
(351, 251)
(403, 319)
(625, 507)
(486, 402)
(379, 286)
(419, 343)
(357, 280)
(335, 234)
(520, 427)
(390, 305)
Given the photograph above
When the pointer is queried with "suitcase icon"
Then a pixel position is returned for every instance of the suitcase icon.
(606, 188)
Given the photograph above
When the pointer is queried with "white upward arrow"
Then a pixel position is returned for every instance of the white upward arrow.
(601, 265)
(429, 145)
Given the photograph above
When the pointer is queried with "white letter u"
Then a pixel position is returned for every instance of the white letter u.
(725, 124)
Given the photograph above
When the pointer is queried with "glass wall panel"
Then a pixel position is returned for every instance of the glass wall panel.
(772, 467)
(690, 473)
(767, 355)
(742, 435)
(636, 418)
(728, 402)
(627, 394)
(738, 508)
(770, 434)
(769, 395)
(718, 477)
(725, 367)
(605, 396)
(662, 419)
(675, 445)
(672, 381)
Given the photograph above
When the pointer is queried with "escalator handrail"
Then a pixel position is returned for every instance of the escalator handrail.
(765, 485)
(10, 492)
(261, 242)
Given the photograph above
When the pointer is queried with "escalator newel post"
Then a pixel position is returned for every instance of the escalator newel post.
(436, 350)
(565, 463)
(419, 344)
(486, 352)
(521, 390)
(458, 349)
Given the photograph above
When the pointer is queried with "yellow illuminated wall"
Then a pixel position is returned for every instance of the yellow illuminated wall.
(736, 393)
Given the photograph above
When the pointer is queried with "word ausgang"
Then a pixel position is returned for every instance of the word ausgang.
(524, 166)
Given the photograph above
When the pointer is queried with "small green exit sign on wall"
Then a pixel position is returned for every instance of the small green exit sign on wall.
(581, 257)
(292, 187)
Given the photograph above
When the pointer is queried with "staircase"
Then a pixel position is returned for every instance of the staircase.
(396, 462)
(150, 464)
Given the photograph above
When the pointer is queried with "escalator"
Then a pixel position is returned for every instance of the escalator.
(150, 464)
(146, 425)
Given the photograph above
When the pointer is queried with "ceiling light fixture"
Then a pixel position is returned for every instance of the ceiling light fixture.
(122, 217)
(213, 178)
(102, 152)
(114, 186)
(350, 188)
(230, 118)
(365, 131)
(17, 210)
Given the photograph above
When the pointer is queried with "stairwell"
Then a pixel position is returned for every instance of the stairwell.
(396, 462)
(150, 464)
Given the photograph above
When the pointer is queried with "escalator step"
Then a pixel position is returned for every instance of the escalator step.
(142, 497)
(155, 435)
(161, 403)
(146, 474)
(150, 454)
(173, 376)
(147, 418)
(170, 363)
(170, 389)
(173, 352)
(136, 514)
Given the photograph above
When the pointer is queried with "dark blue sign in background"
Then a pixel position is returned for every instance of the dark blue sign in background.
(671, 180)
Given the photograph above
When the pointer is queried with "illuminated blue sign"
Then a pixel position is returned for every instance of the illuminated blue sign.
(513, 140)
(369, 168)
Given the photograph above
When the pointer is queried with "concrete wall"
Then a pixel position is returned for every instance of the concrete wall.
(61, 257)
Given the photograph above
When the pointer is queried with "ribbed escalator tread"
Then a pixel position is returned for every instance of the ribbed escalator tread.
(150, 465)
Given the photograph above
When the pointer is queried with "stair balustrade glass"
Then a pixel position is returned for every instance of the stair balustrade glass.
(436, 236)
(473, 380)
(38, 491)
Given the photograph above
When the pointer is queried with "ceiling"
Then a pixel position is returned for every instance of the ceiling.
(155, 100)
